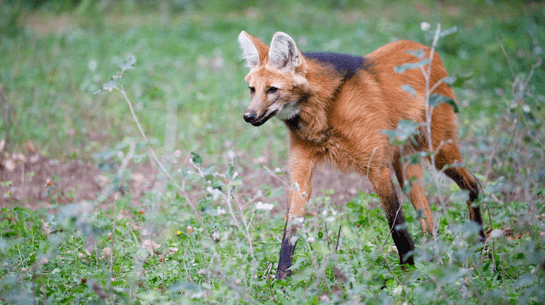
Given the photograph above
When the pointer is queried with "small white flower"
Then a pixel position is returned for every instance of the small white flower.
(264, 206)
(149, 244)
(496, 233)
(310, 239)
(107, 252)
(330, 219)
(298, 220)
(526, 108)
(425, 26)
(92, 65)
(216, 235)
(221, 211)
(197, 295)
(325, 298)
(215, 192)
(397, 290)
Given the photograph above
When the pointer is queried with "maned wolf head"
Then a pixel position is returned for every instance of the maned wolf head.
(275, 79)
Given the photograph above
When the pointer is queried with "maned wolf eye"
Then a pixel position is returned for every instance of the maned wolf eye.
(272, 90)
(252, 90)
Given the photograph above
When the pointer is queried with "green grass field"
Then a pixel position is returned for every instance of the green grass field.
(207, 241)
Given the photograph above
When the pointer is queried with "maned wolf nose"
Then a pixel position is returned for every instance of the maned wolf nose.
(249, 117)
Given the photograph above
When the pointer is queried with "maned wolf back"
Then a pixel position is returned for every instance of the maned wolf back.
(347, 65)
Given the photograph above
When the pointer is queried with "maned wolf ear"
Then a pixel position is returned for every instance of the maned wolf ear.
(283, 52)
(253, 49)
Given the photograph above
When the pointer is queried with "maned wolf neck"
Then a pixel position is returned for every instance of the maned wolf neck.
(326, 73)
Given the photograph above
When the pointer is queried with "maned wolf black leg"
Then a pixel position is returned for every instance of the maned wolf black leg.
(288, 247)
(302, 164)
(385, 190)
(400, 234)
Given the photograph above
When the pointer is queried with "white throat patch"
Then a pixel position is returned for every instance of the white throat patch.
(288, 111)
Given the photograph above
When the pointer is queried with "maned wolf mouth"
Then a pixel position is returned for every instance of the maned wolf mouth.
(250, 117)
(336, 107)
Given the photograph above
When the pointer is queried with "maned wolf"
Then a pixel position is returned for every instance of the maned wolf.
(336, 107)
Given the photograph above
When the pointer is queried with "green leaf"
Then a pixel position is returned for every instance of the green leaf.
(105, 155)
(449, 80)
(525, 280)
(108, 86)
(418, 53)
(128, 63)
(404, 130)
(436, 99)
(409, 89)
(196, 158)
(230, 171)
(460, 79)
(407, 66)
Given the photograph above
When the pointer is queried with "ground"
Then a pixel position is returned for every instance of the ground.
(78, 180)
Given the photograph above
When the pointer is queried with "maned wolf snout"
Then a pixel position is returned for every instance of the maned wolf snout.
(249, 117)
(336, 107)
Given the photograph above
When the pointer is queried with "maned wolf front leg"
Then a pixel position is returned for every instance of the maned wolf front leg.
(301, 169)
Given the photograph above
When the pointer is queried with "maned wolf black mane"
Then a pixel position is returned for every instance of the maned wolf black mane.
(345, 64)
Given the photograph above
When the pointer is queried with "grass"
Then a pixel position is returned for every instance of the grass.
(187, 65)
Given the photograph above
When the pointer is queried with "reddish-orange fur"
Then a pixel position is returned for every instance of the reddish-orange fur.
(342, 123)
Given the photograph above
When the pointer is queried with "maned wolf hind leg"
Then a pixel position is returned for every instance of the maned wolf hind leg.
(450, 154)
(385, 190)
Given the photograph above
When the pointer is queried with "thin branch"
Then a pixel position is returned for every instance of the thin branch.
(527, 80)
(113, 235)
(269, 280)
(508, 59)
(378, 243)
(489, 164)
(153, 152)
(327, 235)
(389, 232)
(163, 289)
(369, 162)
(187, 265)
(338, 239)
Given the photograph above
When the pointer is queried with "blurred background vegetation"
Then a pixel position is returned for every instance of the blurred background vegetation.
(55, 54)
